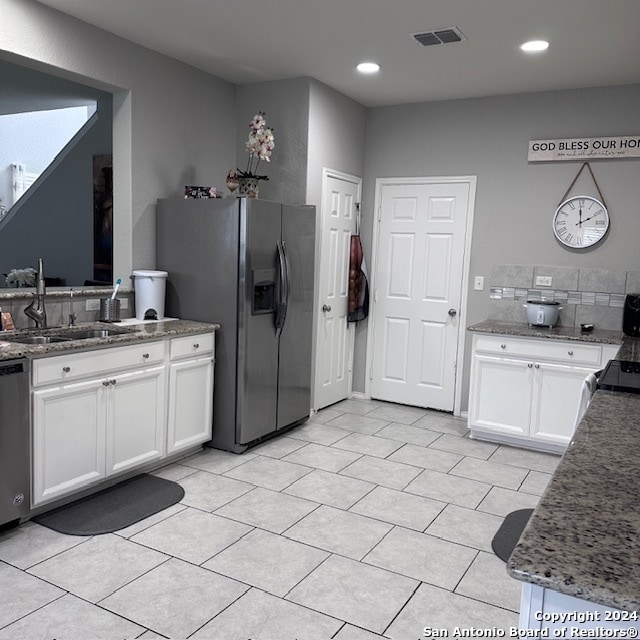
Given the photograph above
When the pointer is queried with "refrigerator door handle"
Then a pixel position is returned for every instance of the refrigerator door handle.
(287, 269)
(281, 308)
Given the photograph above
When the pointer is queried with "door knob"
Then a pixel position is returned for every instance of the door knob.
(452, 312)
(326, 307)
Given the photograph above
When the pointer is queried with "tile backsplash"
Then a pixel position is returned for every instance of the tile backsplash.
(59, 305)
(586, 295)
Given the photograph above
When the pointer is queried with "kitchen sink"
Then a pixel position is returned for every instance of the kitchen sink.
(38, 339)
(83, 334)
(66, 335)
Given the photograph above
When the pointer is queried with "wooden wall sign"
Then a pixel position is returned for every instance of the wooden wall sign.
(584, 148)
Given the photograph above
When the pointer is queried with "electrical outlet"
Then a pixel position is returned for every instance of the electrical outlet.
(543, 281)
(478, 283)
(92, 304)
(124, 303)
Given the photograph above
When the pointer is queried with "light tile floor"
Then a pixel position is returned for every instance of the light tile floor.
(372, 520)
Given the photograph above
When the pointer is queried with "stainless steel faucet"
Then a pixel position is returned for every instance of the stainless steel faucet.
(72, 316)
(38, 313)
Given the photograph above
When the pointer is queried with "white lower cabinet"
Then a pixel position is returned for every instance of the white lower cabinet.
(190, 417)
(100, 413)
(68, 439)
(526, 391)
(546, 613)
(135, 419)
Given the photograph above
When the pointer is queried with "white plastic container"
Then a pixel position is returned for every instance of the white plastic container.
(150, 290)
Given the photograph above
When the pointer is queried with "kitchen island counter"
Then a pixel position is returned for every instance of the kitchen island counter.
(583, 539)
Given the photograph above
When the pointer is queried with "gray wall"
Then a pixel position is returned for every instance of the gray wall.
(336, 137)
(336, 141)
(174, 125)
(286, 108)
(515, 200)
(314, 127)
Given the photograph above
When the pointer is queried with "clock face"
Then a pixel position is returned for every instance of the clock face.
(580, 222)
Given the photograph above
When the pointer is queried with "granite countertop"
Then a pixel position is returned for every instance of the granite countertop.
(135, 331)
(584, 537)
(522, 329)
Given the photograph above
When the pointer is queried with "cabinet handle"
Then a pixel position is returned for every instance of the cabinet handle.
(503, 346)
(530, 365)
(196, 345)
(570, 353)
(145, 356)
(537, 366)
(105, 383)
(112, 381)
(66, 369)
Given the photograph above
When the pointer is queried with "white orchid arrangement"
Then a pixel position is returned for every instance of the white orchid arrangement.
(259, 146)
(22, 277)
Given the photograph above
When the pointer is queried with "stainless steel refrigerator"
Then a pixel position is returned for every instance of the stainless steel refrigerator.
(248, 265)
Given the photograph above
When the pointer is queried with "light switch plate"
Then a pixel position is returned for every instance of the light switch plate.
(543, 281)
(92, 304)
(478, 283)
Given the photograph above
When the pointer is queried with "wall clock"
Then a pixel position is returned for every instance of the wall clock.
(580, 222)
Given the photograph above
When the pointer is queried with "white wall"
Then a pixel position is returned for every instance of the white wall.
(174, 125)
(515, 200)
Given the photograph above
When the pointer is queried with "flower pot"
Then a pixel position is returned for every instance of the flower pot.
(249, 187)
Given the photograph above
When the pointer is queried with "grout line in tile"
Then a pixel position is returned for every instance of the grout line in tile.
(318, 505)
(413, 593)
(168, 558)
(242, 595)
(42, 606)
(466, 571)
(329, 554)
(55, 555)
(489, 604)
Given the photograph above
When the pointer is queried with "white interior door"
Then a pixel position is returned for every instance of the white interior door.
(418, 279)
(334, 338)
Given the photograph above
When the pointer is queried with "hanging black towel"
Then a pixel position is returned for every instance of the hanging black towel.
(358, 308)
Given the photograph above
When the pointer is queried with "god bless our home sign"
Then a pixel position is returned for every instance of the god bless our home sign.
(584, 148)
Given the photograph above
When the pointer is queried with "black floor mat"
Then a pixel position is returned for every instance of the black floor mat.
(509, 533)
(114, 508)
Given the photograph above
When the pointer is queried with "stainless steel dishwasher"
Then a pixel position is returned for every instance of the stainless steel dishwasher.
(14, 440)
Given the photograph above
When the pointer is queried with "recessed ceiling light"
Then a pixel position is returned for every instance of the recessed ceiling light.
(368, 67)
(535, 45)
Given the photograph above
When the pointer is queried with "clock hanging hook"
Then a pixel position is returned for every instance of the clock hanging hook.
(584, 164)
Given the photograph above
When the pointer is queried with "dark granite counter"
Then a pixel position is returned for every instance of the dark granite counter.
(584, 537)
(133, 332)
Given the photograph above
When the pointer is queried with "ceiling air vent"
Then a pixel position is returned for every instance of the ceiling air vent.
(438, 36)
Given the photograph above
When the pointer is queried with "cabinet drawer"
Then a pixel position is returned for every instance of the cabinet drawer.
(566, 352)
(94, 363)
(190, 346)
